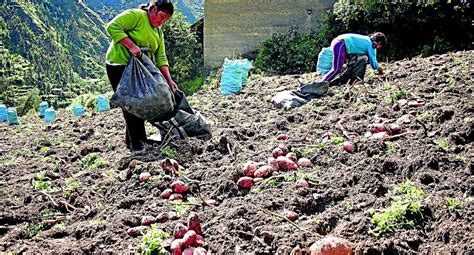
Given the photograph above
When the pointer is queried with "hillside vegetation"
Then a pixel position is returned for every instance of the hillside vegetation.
(72, 186)
(51, 45)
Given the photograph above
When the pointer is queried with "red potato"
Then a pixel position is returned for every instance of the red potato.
(347, 146)
(286, 164)
(249, 168)
(136, 231)
(179, 231)
(144, 177)
(162, 217)
(282, 137)
(200, 251)
(277, 152)
(377, 128)
(170, 165)
(331, 245)
(188, 251)
(292, 156)
(274, 164)
(199, 241)
(263, 172)
(302, 183)
(166, 193)
(179, 187)
(304, 162)
(283, 148)
(175, 196)
(395, 128)
(194, 223)
(245, 182)
(290, 215)
(177, 247)
(189, 238)
(148, 220)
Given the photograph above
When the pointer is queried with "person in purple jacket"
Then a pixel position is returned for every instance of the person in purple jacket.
(354, 48)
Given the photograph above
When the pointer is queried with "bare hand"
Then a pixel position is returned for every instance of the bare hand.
(380, 70)
(173, 85)
(135, 50)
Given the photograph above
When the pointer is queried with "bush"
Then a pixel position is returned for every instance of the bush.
(184, 53)
(411, 28)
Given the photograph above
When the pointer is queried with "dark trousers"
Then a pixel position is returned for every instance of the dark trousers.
(135, 135)
(354, 72)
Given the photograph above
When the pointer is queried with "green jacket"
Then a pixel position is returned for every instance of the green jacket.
(134, 24)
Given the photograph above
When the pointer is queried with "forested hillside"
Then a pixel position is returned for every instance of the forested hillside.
(51, 44)
(192, 9)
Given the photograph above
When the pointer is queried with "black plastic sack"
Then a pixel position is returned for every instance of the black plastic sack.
(184, 122)
(143, 90)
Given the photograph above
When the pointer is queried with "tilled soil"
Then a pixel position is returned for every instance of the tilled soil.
(86, 207)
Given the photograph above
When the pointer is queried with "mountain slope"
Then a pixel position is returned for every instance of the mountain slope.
(56, 42)
(72, 186)
(192, 9)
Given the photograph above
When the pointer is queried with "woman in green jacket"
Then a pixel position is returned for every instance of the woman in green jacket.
(131, 30)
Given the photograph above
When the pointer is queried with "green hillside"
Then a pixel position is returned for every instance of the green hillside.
(50, 44)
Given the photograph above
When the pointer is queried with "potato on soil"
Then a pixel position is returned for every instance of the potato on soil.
(189, 238)
(162, 217)
(179, 187)
(290, 215)
(136, 231)
(147, 220)
(277, 152)
(347, 146)
(283, 148)
(194, 223)
(331, 245)
(176, 246)
(179, 230)
(166, 193)
(144, 177)
(274, 164)
(199, 241)
(263, 171)
(245, 182)
(292, 156)
(302, 183)
(176, 196)
(304, 162)
(249, 168)
(286, 164)
(282, 137)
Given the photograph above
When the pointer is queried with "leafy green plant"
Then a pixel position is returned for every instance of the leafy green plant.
(391, 149)
(337, 140)
(406, 198)
(93, 161)
(152, 241)
(169, 152)
(40, 183)
(452, 205)
(442, 143)
(182, 207)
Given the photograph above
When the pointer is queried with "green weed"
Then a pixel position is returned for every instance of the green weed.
(452, 205)
(337, 140)
(181, 207)
(442, 143)
(405, 198)
(169, 152)
(93, 161)
(390, 150)
(152, 241)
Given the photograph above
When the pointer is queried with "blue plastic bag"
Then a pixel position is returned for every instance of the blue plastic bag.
(12, 116)
(3, 113)
(42, 107)
(103, 103)
(231, 80)
(78, 110)
(49, 115)
(324, 61)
